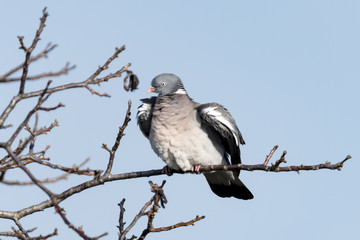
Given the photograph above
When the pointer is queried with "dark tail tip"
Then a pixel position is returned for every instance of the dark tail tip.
(237, 189)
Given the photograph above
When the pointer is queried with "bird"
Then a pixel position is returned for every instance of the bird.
(187, 135)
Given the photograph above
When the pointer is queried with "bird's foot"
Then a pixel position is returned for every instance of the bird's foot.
(167, 170)
(196, 169)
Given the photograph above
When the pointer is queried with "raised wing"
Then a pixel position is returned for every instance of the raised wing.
(218, 119)
(144, 115)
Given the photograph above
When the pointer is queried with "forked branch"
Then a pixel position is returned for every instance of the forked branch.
(158, 200)
(121, 133)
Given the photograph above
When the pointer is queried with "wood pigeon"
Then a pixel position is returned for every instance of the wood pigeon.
(186, 135)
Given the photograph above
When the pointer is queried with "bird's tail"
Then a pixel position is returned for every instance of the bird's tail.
(228, 187)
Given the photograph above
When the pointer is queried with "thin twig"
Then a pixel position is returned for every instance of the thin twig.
(29, 50)
(21, 146)
(74, 170)
(43, 54)
(42, 98)
(118, 139)
(278, 162)
(180, 224)
(22, 230)
(121, 217)
(65, 70)
(267, 159)
(13, 234)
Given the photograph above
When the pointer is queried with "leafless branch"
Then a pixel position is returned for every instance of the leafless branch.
(275, 167)
(85, 84)
(65, 70)
(116, 177)
(29, 50)
(13, 234)
(41, 100)
(267, 159)
(13, 159)
(24, 236)
(278, 162)
(21, 146)
(69, 171)
(46, 236)
(159, 197)
(43, 54)
(121, 217)
(52, 196)
(117, 141)
(180, 224)
(22, 232)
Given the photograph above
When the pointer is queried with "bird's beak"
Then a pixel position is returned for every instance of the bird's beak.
(150, 90)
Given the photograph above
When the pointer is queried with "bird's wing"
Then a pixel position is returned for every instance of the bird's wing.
(144, 115)
(215, 117)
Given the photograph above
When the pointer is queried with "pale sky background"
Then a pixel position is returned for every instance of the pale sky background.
(288, 71)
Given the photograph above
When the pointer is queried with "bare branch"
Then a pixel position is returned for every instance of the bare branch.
(116, 177)
(29, 50)
(21, 235)
(159, 197)
(22, 230)
(267, 159)
(118, 73)
(46, 236)
(14, 234)
(118, 139)
(21, 146)
(51, 195)
(180, 224)
(74, 170)
(65, 70)
(49, 47)
(13, 159)
(276, 168)
(121, 217)
(96, 93)
(278, 162)
(41, 100)
(141, 213)
(52, 108)
(85, 84)
(105, 66)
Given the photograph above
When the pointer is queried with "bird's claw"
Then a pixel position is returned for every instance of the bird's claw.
(196, 169)
(167, 170)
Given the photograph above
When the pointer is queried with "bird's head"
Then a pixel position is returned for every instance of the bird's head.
(167, 83)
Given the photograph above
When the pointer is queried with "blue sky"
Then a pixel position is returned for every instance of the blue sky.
(288, 71)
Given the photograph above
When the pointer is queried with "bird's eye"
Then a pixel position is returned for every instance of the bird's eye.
(163, 83)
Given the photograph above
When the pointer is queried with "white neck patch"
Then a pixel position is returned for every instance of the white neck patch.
(180, 91)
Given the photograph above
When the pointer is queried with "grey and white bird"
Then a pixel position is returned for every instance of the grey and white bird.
(186, 135)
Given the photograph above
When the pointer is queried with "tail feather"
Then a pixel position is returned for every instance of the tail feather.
(236, 189)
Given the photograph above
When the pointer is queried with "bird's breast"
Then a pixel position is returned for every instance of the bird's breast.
(179, 139)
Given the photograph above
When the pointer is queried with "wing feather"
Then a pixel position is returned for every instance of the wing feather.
(144, 115)
(217, 118)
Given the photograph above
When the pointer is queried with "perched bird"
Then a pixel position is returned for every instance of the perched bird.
(186, 135)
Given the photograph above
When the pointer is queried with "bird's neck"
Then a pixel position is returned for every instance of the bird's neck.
(173, 99)
(180, 91)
